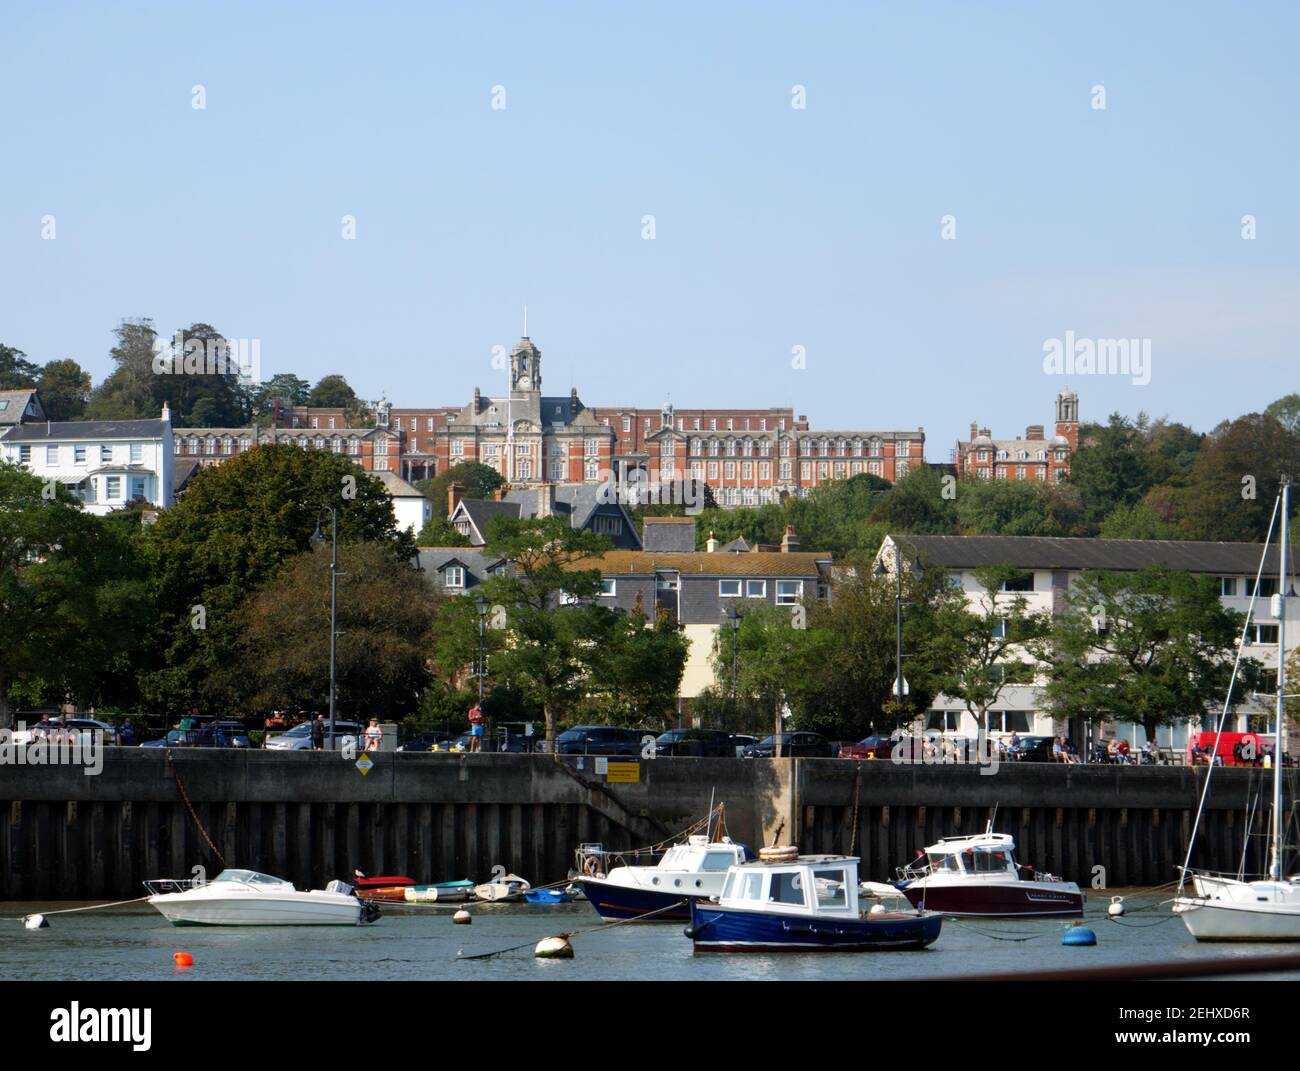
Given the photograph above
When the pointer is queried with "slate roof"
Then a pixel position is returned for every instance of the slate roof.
(61, 430)
(13, 404)
(1039, 552)
(699, 563)
(395, 485)
(434, 559)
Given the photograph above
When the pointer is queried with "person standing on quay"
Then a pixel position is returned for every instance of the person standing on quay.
(318, 733)
(475, 728)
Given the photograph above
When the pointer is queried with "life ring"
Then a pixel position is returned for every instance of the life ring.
(591, 866)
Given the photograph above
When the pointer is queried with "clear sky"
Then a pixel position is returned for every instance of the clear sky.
(775, 227)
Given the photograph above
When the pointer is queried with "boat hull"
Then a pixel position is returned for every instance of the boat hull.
(724, 929)
(1019, 899)
(325, 909)
(613, 901)
(1226, 921)
(447, 892)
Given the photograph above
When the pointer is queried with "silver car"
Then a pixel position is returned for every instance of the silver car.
(346, 734)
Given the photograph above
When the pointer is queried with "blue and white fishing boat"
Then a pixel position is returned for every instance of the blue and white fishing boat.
(787, 902)
(685, 873)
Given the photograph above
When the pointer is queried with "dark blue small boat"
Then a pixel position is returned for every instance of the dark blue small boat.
(550, 896)
(804, 903)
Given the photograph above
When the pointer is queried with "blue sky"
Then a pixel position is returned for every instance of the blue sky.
(774, 227)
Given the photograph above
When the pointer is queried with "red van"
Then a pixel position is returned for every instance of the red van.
(1236, 749)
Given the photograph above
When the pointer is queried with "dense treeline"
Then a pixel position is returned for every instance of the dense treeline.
(210, 394)
(1129, 479)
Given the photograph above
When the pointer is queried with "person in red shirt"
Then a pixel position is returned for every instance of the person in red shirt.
(475, 728)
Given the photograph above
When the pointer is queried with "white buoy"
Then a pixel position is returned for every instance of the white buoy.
(878, 909)
(1116, 908)
(462, 917)
(35, 922)
(554, 948)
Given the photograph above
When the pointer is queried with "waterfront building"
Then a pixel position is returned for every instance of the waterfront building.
(1050, 568)
(108, 464)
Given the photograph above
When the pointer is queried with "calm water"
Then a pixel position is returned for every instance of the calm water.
(133, 942)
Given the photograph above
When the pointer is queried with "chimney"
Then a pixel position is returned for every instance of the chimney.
(711, 544)
(974, 431)
(166, 413)
(545, 499)
(789, 541)
(502, 491)
(478, 401)
(454, 492)
(1034, 431)
(573, 400)
(986, 433)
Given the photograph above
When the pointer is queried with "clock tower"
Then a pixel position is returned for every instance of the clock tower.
(525, 368)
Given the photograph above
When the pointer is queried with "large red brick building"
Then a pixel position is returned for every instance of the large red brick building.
(747, 456)
(1035, 457)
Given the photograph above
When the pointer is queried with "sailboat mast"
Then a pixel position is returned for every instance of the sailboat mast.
(1275, 864)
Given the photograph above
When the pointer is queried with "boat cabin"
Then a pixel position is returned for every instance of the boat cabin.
(985, 855)
(810, 884)
(698, 855)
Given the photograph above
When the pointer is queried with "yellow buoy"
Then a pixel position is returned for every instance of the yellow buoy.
(554, 948)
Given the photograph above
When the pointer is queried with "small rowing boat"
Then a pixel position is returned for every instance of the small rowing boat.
(442, 892)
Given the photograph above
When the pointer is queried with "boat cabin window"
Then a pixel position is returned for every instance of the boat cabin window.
(250, 876)
(753, 886)
(786, 888)
(946, 863)
(729, 886)
(831, 888)
(983, 861)
(718, 860)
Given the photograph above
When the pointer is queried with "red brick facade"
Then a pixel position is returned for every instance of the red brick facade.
(1035, 457)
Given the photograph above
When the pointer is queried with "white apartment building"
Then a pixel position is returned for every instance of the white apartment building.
(1051, 567)
(106, 463)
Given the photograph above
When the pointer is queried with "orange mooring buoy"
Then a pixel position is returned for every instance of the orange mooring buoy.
(182, 959)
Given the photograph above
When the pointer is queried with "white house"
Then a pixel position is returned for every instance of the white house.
(1051, 567)
(107, 463)
(410, 507)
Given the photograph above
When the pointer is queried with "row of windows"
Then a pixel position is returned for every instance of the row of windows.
(1021, 455)
(665, 422)
(228, 444)
(105, 453)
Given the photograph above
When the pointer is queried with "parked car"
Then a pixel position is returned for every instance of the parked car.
(49, 728)
(701, 743)
(299, 737)
(425, 741)
(870, 747)
(212, 734)
(600, 740)
(739, 743)
(793, 745)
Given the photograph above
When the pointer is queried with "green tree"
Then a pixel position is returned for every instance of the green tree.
(332, 392)
(16, 371)
(1109, 469)
(131, 391)
(1015, 508)
(636, 671)
(1138, 521)
(543, 606)
(385, 610)
(986, 643)
(289, 388)
(1286, 411)
(65, 389)
(231, 531)
(73, 601)
(1153, 646)
(920, 503)
(478, 481)
(437, 532)
(1232, 485)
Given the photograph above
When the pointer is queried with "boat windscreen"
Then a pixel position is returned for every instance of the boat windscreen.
(251, 877)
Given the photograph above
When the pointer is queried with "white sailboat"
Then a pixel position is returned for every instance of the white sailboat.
(1224, 908)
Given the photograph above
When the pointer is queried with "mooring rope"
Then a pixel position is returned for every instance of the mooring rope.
(180, 785)
(573, 933)
(70, 910)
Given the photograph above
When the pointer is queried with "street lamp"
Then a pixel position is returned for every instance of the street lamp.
(481, 604)
(881, 571)
(317, 539)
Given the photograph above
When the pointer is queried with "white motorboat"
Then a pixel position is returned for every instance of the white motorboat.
(505, 887)
(1224, 908)
(690, 871)
(977, 876)
(247, 898)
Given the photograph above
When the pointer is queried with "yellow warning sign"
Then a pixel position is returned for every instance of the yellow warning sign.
(624, 771)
